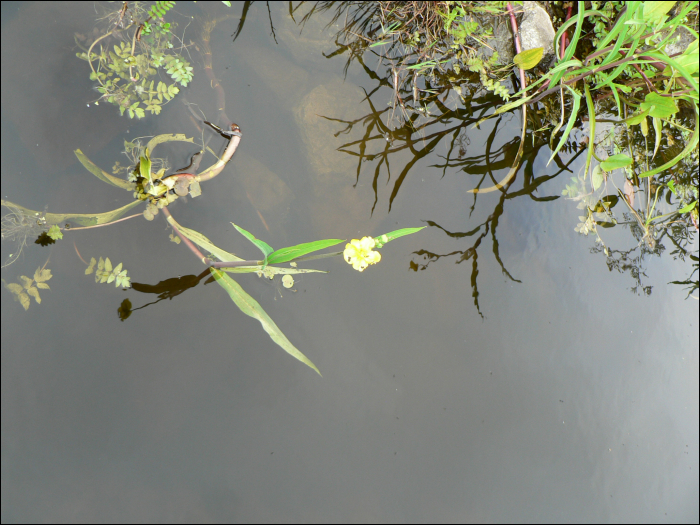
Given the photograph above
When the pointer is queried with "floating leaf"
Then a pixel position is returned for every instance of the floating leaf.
(388, 237)
(55, 232)
(292, 252)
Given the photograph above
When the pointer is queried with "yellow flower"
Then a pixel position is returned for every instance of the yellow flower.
(359, 253)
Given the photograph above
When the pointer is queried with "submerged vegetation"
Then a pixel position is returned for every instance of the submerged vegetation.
(617, 82)
(125, 65)
(124, 79)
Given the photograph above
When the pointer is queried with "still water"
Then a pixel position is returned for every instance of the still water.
(489, 368)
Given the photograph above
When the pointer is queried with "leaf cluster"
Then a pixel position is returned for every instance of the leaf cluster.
(106, 274)
(126, 73)
(29, 287)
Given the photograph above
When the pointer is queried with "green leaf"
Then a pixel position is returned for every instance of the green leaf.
(145, 167)
(262, 245)
(616, 161)
(203, 242)
(91, 267)
(103, 175)
(658, 106)
(529, 58)
(689, 207)
(672, 186)
(689, 147)
(597, 177)
(84, 219)
(251, 307)
(388, 237)
(569, 124)
(655, 12)
(292, 252)
(42, 275)
(55, 232)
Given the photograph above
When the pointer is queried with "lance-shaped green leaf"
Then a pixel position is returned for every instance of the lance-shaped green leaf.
(262, 245)
(251, 307)
(689, 207)
(84, 219)
(203, 242)
(103, 175)
(570, 124)
(167, 137)
(145, 171)
(387, 237)
(689, 147)
(616, 161)
(292, 252)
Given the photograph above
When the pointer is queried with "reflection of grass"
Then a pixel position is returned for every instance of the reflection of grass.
(17, 226)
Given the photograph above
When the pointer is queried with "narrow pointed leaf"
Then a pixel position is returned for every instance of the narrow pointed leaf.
(570, 124)
(84, 219)
(387, 237)
(101, 174)
(262, 245)
(292, 252)
(251, 307)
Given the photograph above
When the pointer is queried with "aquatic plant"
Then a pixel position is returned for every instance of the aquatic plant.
(126, 73)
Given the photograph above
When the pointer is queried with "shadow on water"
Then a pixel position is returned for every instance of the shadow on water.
(434, 114)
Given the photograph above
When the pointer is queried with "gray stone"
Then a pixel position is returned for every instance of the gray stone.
(536, 29)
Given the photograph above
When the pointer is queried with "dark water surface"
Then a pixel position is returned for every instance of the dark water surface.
(563, 397)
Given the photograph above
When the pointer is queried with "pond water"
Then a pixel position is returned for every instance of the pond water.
(490, 368)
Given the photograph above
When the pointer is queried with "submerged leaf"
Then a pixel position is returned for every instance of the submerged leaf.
(103, 175)
(91, 267)
(34, 293)
(42, 274)
(250, 306)
(84, 219)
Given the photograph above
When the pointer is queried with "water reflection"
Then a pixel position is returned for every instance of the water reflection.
(432, 108)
